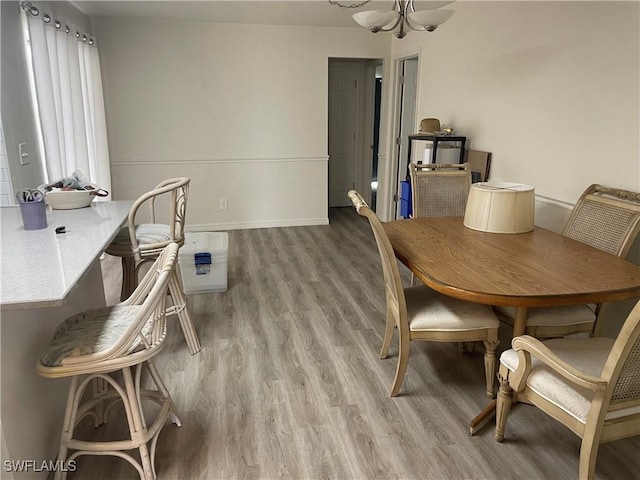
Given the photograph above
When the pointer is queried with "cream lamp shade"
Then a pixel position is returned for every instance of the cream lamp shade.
(500, 207)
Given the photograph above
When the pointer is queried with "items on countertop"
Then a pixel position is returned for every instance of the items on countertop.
(71, 192)
(32, 209)
(75, 182)
(29, 195)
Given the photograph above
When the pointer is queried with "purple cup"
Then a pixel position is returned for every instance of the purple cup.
(34, 215)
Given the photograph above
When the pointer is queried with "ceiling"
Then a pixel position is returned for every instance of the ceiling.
(267, 12)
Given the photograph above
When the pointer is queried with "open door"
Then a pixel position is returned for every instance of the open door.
(354, 123)
(343, 129)
(407, 87)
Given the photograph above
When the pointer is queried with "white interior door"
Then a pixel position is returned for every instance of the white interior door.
(408, 89)
(343, 116)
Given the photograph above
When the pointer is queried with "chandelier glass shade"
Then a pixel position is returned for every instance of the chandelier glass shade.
(402, 17)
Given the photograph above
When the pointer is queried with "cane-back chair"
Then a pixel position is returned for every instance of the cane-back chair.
(607, 219)
(439, 189)
(590, 385)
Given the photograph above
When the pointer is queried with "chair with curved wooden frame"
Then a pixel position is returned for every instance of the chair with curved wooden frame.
(439, 189)
(101, 347)
(590, 385)
(607, 219)
(139, 244)
(422, 314)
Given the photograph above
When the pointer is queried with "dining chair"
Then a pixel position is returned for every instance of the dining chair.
(101, 348)
(439, 189)
(137, 244)
(422, 314)
(590, 385)
(607, 219)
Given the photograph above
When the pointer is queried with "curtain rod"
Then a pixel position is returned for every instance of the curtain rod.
(46, 18)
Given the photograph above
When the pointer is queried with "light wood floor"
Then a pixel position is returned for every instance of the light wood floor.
(289, 383)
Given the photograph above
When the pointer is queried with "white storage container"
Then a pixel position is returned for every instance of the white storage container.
(203, 262)
(446, 153)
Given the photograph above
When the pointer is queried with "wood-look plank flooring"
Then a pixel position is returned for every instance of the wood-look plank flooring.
(289, 384)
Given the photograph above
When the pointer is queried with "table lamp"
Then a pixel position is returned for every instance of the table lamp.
(500, 207)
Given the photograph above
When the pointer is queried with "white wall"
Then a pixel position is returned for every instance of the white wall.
(550, 88)
(241, 109)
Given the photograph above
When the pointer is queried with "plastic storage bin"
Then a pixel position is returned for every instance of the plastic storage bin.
(203, 262)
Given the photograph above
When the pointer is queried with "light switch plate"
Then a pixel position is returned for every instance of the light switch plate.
(24, 156)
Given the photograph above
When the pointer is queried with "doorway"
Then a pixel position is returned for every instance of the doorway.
(353, 129)
(407, 88)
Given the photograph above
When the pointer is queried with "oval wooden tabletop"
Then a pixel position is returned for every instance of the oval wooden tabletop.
(539, 268)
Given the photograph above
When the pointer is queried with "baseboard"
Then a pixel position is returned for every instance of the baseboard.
(553, 202)
(551, 213)
(298, 222)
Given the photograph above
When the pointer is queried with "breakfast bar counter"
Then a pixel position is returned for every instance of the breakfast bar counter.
(45, 278)
(41, 267)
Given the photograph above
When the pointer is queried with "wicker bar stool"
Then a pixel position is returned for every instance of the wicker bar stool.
(101, 347)
(139, 244)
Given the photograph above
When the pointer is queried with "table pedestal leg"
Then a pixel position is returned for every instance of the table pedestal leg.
(520, 322)
(519, 326)
(482, 418)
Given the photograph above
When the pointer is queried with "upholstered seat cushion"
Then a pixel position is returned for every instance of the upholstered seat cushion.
(430, 310)
(565, 315)
(586, 355)
(90, 332)
(146, 233)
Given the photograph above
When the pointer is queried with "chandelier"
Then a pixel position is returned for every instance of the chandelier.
(402, 17)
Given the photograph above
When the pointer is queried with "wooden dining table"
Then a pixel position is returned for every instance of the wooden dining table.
(535, 269)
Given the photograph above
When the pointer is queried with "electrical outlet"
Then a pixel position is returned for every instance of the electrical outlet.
(223, 204)
(24, 156)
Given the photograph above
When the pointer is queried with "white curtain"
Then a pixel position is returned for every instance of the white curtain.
(70, 102)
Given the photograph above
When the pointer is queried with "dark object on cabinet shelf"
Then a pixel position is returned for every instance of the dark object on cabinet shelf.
(479, 164)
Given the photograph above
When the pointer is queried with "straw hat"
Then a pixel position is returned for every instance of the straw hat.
(430, 125)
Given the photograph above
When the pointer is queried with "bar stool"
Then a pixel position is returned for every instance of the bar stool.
(139, 244)
(101, 347)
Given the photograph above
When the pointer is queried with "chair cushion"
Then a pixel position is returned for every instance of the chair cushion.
(587, 355)
(430, 310)
(567, 315)
(146, 233)
(90, 332)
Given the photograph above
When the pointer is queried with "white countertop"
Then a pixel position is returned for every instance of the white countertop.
(40, 267)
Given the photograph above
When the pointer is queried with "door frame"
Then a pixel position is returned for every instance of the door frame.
(363, 163)
(386, 193)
